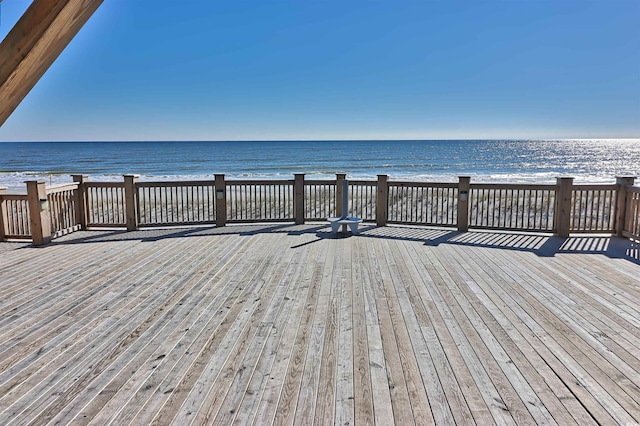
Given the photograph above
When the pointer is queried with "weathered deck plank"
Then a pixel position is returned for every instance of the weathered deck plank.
(284, 324)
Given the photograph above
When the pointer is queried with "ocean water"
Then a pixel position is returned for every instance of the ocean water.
(514, 161)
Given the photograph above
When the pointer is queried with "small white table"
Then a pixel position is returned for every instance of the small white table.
(351, 222)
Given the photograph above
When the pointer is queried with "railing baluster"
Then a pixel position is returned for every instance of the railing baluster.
(109, 210)
(581, 211)
(242, 201)
(611, 210)
(236, 189)
(519, 212)
(495, 213)
(146, 197)
(161, 205)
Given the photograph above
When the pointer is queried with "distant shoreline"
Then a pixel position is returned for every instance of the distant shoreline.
(487, 161)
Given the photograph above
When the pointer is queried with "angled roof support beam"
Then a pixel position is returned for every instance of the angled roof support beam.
(34, 43)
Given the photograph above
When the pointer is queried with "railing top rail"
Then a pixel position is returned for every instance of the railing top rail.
(525, 186)
(62, 187)
(594, 187)
(424, 184)
(320, 182)
(14, 197)
(174, 184)
(363, 182)
(260, 182)
(634, 189)
(104, 184)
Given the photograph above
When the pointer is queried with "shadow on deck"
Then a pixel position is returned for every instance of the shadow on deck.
(540, 244)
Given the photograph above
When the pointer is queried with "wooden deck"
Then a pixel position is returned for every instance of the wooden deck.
(283, 324)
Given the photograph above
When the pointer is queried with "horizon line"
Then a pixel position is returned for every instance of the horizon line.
(325, 140)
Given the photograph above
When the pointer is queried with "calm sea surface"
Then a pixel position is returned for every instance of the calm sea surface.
(443, 161)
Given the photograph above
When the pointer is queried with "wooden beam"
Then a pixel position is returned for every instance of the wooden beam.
(34, 43)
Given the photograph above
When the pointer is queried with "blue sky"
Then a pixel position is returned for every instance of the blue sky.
(323, 69)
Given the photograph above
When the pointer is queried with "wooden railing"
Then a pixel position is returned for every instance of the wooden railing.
(512, 207)
(631, 228)
(320, 199)
(323, 199)
(63, 209)
(105, 205)
(423, 203)
(593, 208)
(362, 200)
(175, 203)
(259, 201)
(14, 217)
(562, 208)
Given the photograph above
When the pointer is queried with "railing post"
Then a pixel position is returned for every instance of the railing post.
(38, 212)
(130, 201)
(81, 200)
(221, 200)
(382, 200)
(4, 215)
(562, 216)
(340, 177)
(298, 198)
(621, 202)
(464, 185)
